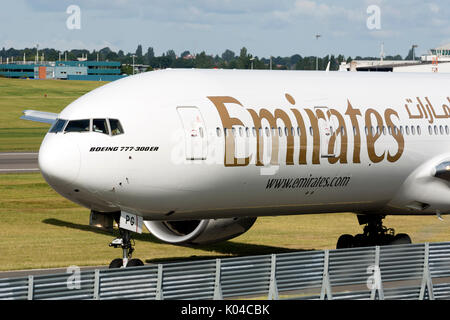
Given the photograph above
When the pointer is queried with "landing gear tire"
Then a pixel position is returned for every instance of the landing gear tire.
(401, 238)
(135, 263)
(359, 241)
(116, 263)
(345, 241)
(125, 242)
(389, 240)
(375, 234)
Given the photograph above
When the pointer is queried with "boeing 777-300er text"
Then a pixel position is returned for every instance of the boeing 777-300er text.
(197, 155)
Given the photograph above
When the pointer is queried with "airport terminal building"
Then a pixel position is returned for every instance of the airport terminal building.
(65, 70)
(437, 60)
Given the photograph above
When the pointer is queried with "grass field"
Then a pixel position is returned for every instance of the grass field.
(40, 229)
(17, 95)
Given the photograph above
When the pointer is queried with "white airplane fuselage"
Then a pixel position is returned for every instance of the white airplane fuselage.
(295, 143)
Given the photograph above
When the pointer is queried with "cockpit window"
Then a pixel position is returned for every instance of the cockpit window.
(116, 127)
(78, 126)
(58, 126)
(99, 125)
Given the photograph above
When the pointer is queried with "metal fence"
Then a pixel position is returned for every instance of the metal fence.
(418, 271)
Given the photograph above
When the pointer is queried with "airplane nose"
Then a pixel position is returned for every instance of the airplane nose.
(59, 159)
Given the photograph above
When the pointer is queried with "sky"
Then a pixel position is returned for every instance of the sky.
(266, 28)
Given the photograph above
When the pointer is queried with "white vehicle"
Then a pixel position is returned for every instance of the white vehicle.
(198, 155)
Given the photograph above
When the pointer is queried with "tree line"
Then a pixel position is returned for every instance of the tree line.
(227, 60)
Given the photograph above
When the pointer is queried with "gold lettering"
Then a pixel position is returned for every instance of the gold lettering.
(411, 116)
(396, 134)
(303, 136)
(372, 136)
(373, 120)
(439, 116)
(316, 136)
(230, 159)
(342, 158)
(352, 113)
(266, 114)
(431, 120)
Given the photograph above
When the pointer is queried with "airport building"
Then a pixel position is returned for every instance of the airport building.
(437, 60)
(66, 70)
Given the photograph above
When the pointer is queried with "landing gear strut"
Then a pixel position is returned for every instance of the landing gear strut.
(375, 234)
(124, 242)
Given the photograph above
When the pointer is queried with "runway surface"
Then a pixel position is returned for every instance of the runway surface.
(15, 162)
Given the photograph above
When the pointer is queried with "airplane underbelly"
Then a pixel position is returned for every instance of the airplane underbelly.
(218, 192)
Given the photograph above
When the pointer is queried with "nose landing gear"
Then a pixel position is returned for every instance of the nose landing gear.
(375, 234)
(124, 242)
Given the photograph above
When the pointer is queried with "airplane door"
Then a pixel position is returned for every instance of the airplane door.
(326, 130)
(194, 133)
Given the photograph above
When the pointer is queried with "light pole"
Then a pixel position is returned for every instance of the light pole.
(133, 61)
(317, 57)
(270, 62)
(252, 59)
(37, 53)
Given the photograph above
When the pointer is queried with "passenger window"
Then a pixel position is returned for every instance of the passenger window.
(100, 126)
(58, 126)
(218, 132)
(116, 127)
(413, 131)
(78, 126)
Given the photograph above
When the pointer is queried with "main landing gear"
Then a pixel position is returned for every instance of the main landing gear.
(375, 234)
(124, 242)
